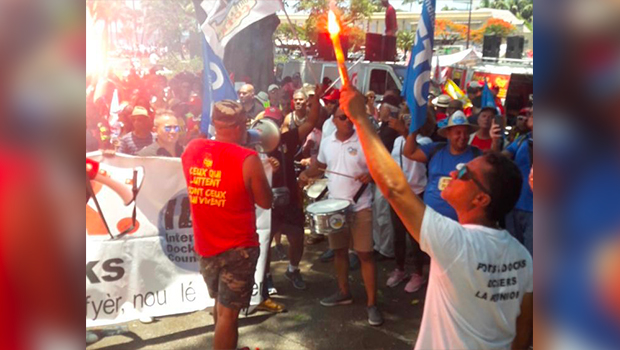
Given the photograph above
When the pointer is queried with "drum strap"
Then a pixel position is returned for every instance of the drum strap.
(359, 193)
(323, 193)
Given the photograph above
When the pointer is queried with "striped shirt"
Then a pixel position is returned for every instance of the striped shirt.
(130, 144)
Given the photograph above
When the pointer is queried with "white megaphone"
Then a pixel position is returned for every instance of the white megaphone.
(263, 136)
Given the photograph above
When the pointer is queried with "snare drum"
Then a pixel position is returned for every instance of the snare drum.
(314, 191)
(328, 216)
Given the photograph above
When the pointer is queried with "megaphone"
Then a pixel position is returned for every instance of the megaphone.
(263, 136)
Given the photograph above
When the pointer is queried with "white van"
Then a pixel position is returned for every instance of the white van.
(365, 76)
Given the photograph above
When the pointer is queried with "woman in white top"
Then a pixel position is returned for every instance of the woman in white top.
(415, 172)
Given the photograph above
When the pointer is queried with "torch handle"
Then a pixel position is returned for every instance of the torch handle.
(342, 68)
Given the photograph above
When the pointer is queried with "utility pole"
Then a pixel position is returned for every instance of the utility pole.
(469, 24)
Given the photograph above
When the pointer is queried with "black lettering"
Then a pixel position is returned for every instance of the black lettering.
(90, 274)
(146, 298)
(185, 218)
(169, 214)
(117, 271)
(163, 301)
(481, 266)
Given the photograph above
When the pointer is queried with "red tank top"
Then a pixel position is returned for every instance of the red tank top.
(223, 212)
(483, 145)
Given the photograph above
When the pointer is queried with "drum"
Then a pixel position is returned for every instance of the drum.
(314, 191)
(328, 216)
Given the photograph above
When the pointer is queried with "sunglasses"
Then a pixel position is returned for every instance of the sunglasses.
(465, 174)
(170, 128)
(342, 117)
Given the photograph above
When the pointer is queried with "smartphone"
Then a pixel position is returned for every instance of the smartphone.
(498, 120)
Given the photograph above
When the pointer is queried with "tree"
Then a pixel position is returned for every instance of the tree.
(449, 32)
(523, 9)
(493, 26)
(169, 22)
(350, 11)
(404, 40)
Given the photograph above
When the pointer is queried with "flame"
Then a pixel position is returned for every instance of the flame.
(332, 23)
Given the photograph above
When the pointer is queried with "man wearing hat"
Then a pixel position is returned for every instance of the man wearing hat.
(441, 103)
(331, 104)
(142, 134)
(275, 97)
(226, 181)
(442, 158)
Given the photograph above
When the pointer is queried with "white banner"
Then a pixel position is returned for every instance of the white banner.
(153, 270)
(226, 18)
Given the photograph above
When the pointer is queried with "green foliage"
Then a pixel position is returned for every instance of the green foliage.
(349, 11)
(405, 39)
(523, 9)
(168, 22)
(176, 65)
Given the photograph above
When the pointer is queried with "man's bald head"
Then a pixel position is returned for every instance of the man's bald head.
(246, 94)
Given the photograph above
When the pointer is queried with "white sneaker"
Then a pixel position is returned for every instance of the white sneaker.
(146, 319)
(396, 277)
(414, 284)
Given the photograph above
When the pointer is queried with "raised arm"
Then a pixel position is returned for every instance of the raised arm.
(256, 181)
(305, 128)
(525, 323)
(386, 173)
(412, 151)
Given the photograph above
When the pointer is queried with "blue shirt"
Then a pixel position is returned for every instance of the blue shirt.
(521, 153)
(439, 168)
(586, 218)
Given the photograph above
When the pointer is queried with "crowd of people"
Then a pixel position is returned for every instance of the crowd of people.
(450, 187)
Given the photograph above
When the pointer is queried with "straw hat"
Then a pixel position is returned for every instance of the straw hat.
(458, 118)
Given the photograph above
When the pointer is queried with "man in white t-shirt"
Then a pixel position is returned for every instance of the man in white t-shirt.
(480, 292)
(342, 153)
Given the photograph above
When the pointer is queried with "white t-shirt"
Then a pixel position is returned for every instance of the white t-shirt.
(328, 128)
(346, 158)
(477, 281)
(415, 172)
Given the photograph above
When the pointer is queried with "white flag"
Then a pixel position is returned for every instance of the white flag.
(226, 18)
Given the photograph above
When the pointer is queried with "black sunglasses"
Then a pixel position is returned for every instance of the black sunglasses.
(465, 174)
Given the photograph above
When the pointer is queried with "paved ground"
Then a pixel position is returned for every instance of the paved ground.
(306, 325)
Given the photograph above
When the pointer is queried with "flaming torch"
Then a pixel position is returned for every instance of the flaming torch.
(334, 30)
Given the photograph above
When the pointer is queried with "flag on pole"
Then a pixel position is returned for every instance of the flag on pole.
(226, 18)
(488, 100)
(454, 91)
(216, 85)
(417, 80)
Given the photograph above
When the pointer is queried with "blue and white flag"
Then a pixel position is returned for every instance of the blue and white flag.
(488, 100)
(418, 78)
(216, 85)
(225, 18)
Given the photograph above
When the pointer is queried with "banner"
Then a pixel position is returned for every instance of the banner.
(417, 80)
(153, 270)
(500, 80)
(226, 18)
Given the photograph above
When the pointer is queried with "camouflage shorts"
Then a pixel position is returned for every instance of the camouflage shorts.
(230, 276)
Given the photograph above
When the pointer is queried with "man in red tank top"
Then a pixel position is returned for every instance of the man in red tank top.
(482, 138)
(224, 182)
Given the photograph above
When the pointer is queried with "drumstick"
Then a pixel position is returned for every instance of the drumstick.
(335, 173)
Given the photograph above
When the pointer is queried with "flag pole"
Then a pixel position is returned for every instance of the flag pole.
(301, 47)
